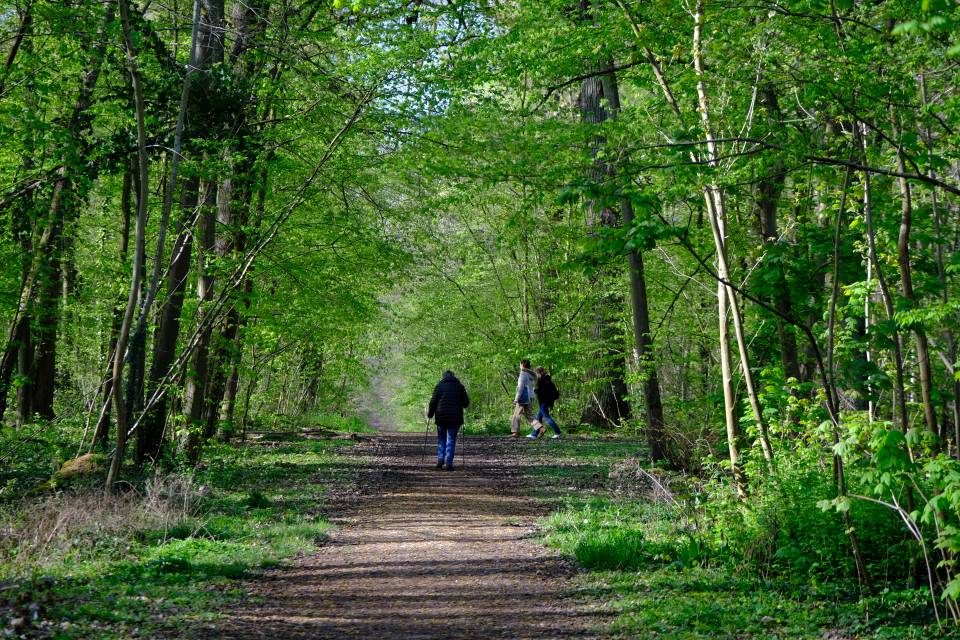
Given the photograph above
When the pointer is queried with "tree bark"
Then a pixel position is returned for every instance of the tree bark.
(643, 339)
(949, 336)
(233, 381)
(716, 211)
(901, 418)
(197, 379)
(26, 22)
(234, 210)
(768, 195)
(143, 165)
(37, 300)
(906, 289)
(607, 404)
(101, 433)
(195, 388)
(150, 432)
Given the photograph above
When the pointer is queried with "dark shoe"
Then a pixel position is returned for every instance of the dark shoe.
(449, 467)
(439, 464)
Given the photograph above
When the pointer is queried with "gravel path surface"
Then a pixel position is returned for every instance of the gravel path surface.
(429, 554)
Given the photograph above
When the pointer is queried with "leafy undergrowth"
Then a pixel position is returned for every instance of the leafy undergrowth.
(669, 559)
(169, 552)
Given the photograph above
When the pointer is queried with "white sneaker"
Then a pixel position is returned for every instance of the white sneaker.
(555, 436)
(532, 436)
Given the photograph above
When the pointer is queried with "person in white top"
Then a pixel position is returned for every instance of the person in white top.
(523, 400)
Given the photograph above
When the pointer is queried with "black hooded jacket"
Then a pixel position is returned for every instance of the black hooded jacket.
(547, 393)
(448, 402)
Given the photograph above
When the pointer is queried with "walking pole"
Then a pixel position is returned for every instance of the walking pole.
(463, 446)
(423, 450)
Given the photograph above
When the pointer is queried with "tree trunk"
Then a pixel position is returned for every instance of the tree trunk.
(248, 23)
(150, 431)
(47, 317)
(233, 382)
(607, 403)
(26, 22)
(143, 173)
(768, 195)
(906, 289)
(25, 370)
(716, 211)
(729, 394)
(197, 379)
(643, 340)
(901, 418)
(101, 434)
(36, 289)
(152, 425)
(195, 388)
(950, 340)
(223, 343)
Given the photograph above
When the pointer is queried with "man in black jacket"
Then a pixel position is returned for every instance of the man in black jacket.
(447, 405)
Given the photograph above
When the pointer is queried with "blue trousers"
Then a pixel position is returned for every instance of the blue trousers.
(543, 415)
(446, 443)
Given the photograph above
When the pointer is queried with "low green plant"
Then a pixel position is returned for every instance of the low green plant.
(335, 422)
(701, 563)
(104, 566)
(612, 549)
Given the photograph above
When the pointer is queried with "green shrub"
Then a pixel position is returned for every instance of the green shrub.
(607, 549)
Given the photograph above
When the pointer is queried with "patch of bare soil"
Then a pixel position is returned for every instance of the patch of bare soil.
(430, 554)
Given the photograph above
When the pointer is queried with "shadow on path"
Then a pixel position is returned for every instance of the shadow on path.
(433, 554)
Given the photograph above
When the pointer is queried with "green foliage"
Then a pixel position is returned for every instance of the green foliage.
(604, 535)
(427, 186)
(705, 564)
(111, 568)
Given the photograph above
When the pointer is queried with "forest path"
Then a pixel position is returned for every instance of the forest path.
(430, 554)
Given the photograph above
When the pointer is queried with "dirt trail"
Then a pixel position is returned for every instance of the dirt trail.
(432, 554)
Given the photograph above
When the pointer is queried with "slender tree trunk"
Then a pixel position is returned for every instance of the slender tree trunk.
(233, 212)
(113, 475)
(950, 340)
(35, 287)
(906, 288)
(101, 434)
(25, 369)
(195, 388)
(729, 395)
(150, 433)
(47, 318)
(26, 22)
(233, 381)
(224, 342)
(643, 339)
(717, 214)
(768, 195)
(901, 417)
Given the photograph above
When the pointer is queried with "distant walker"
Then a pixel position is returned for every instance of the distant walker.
(446, 406)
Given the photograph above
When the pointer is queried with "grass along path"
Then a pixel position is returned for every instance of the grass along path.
(432, 555)
(80, 564)
(330, 538)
